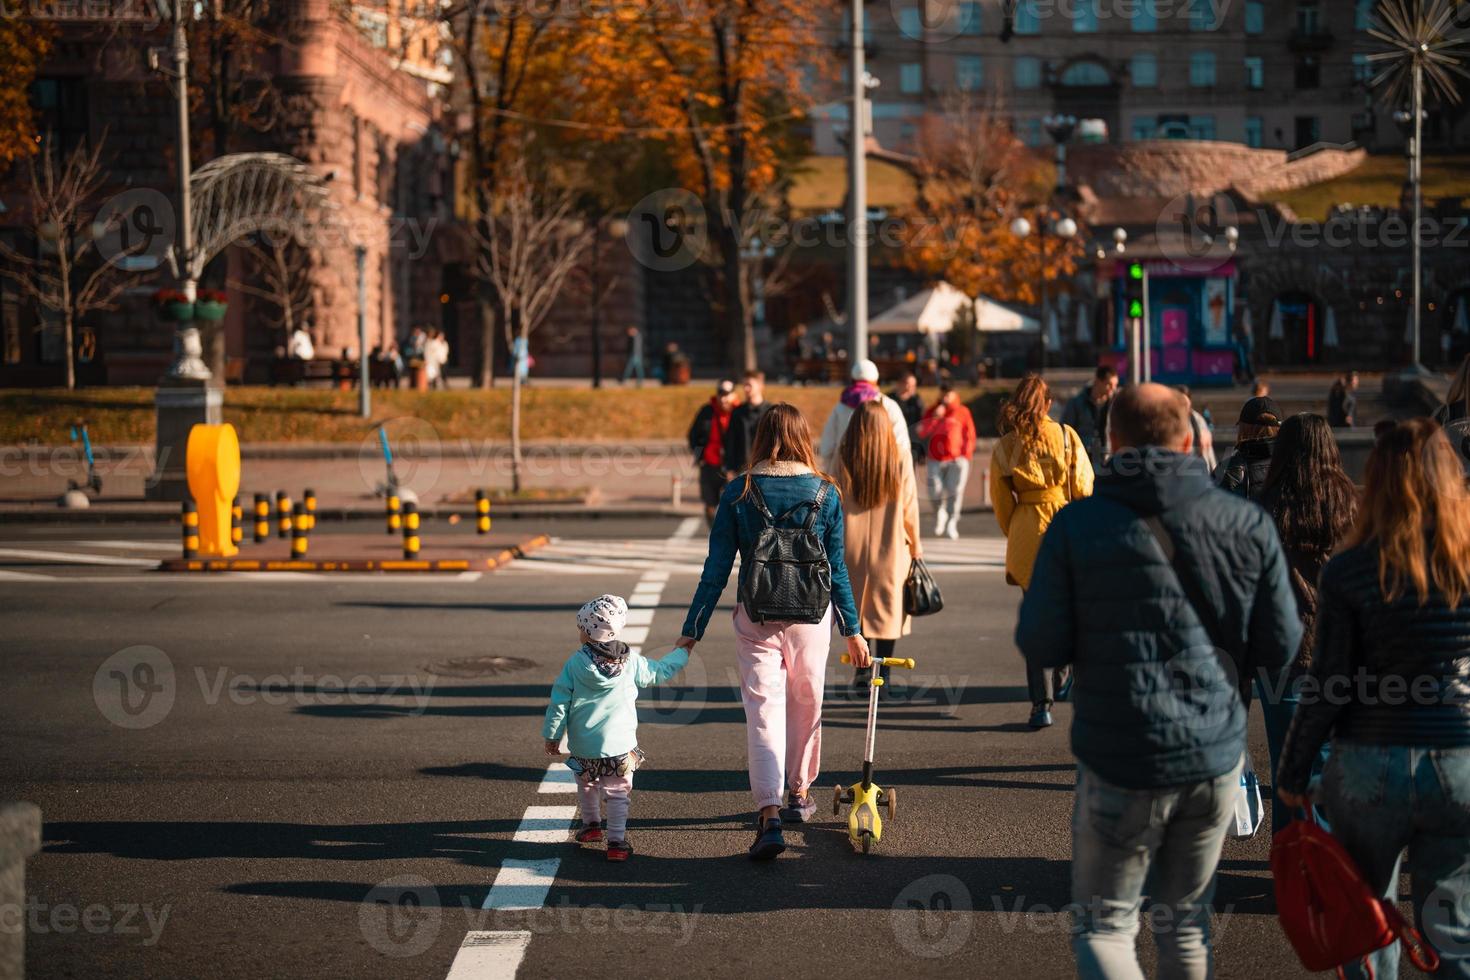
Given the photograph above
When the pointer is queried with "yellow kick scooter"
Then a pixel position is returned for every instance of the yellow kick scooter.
(864, 826)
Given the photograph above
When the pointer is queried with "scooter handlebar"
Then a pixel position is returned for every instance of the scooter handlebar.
(905, 662)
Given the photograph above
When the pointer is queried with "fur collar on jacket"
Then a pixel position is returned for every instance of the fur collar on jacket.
(785, 467)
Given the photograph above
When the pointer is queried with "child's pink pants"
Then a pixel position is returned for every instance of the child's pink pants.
(782, 672)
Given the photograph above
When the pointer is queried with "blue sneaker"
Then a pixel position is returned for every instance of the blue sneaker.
(768, 839)
(1040, 716)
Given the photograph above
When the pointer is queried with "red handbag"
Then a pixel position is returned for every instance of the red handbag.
(1328, 911)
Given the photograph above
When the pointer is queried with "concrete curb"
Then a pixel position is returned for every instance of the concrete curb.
(169, 513)
(455, 448)
(207, 565)
(20, 837)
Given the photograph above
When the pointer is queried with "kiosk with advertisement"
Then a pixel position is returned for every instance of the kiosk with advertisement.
(1191, 307)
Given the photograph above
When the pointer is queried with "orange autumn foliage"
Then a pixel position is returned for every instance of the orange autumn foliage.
(24, 44)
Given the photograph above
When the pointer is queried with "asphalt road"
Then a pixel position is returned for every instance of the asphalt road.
(300, 776)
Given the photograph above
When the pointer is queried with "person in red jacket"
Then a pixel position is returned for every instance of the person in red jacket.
(708, 437)
(948, 430)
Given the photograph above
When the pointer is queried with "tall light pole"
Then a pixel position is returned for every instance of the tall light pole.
(364, 392)
(857, 193)
(1411, 124)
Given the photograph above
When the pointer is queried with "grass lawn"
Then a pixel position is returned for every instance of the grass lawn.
(125, 415)
(1379, 180)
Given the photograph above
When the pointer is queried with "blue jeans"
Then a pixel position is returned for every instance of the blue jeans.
(1163, 842)
(1384, 799)
(635, 364)
(1277, 715)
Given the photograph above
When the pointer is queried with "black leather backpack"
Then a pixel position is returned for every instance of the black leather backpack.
(788, 578)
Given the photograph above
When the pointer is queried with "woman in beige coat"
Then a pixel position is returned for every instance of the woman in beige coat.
(881, 504)
(1039, 467)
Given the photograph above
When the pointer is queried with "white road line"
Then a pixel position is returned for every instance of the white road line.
(687, 529)
(73, 558)
(545, 825)
(165, 546)
(558, 779)
(522, 885)
(24, 577)
(640, 617)
(469, 576)
(489, 956)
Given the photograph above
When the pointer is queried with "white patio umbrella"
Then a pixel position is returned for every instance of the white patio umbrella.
(1084, 326)
(1277, 329)
(1329, 329)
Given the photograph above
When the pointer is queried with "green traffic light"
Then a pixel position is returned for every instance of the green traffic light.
(1135, 308)
(1135, 271)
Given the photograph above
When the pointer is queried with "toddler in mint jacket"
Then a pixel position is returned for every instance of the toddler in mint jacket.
(594, 703)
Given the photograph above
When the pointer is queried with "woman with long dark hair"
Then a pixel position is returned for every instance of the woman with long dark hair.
(881, 505)
(1391, 682)
(783, 661)
(1313, 503)
(1039, 466)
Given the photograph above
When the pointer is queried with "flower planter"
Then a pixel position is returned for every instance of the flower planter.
(210, 310)
(177, 312)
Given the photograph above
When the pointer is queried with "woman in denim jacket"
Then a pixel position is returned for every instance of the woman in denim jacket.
(1390, 684)
(782, 665)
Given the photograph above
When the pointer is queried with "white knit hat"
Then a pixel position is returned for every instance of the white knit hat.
(865, 370)
(603, 618)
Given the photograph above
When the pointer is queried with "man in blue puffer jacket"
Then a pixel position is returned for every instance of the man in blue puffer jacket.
(1166, 596)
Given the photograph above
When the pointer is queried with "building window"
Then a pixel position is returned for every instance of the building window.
(1028, 72)
(867, 29)
(1086, 74)
(1308, 131)
(910, 23)
(1144, 70)
(1362, 69)
(60, 105)
(970, 18)
(1308, 17)
(1030, 132)
(1084, 17)
(1202, 15)
(1202, 127)
(911, 78)
(1255, 17)
(1363, 15)
(1028, 19)
(1255, 73)
(1145, 127)
(1202, 69)
(1145, 17)
(969, 73)
(1308, 72)
(1254, 132)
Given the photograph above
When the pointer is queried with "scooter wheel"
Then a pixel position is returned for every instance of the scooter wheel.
(892, 800)
(867, 842)
(836, 800)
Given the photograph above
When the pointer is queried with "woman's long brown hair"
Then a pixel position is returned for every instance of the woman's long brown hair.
(872, 467)
(1416, 510)
(782, 437)
(1027, 410)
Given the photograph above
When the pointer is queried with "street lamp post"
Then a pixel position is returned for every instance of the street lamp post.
(857, 190)
(1411, 124)
(364, 393)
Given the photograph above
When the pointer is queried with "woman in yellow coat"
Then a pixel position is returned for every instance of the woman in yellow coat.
(1038, 467)
(880, 502)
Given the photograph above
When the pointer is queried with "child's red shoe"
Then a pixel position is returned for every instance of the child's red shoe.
(619, 850)
(589, 834)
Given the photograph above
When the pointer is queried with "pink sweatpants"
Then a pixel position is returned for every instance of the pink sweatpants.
(782, 674)
(617, 789)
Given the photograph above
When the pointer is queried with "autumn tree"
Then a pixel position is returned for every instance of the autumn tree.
(24, 44)
(718, 84)
(68, 277)
(974, 178)
(282, 278)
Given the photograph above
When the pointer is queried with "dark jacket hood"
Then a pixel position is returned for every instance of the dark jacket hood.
(1153, 480)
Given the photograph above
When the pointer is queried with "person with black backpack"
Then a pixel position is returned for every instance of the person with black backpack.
(784, 519)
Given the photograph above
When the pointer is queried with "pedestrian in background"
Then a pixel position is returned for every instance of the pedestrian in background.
(864, 388)
(1199, 426)
(880, 502)
(796, 353)
(911, 403)
(1087, 413)
(300, 347)
(1260, 389)
(948, 431)
(783, 665)
(1391, 671)
(707, 439)
(1245, 351)
(634, 362)
(1244, 471)
(744, 421)
(436, 358)
(1161, 593)
(1039, 466)
(1313, 504)
(1342, 402)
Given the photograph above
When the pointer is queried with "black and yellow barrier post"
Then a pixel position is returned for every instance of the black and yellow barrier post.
(262, 517)
(308, 509)
(191, 528)
(482, 512)
(237, 521)
(298, 538)
(395, 523)
(410, 530)
(283, 514)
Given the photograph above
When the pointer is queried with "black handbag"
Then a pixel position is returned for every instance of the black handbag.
(920, 593)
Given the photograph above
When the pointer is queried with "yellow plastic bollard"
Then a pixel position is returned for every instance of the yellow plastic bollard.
(482, 512)
(212, 460)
